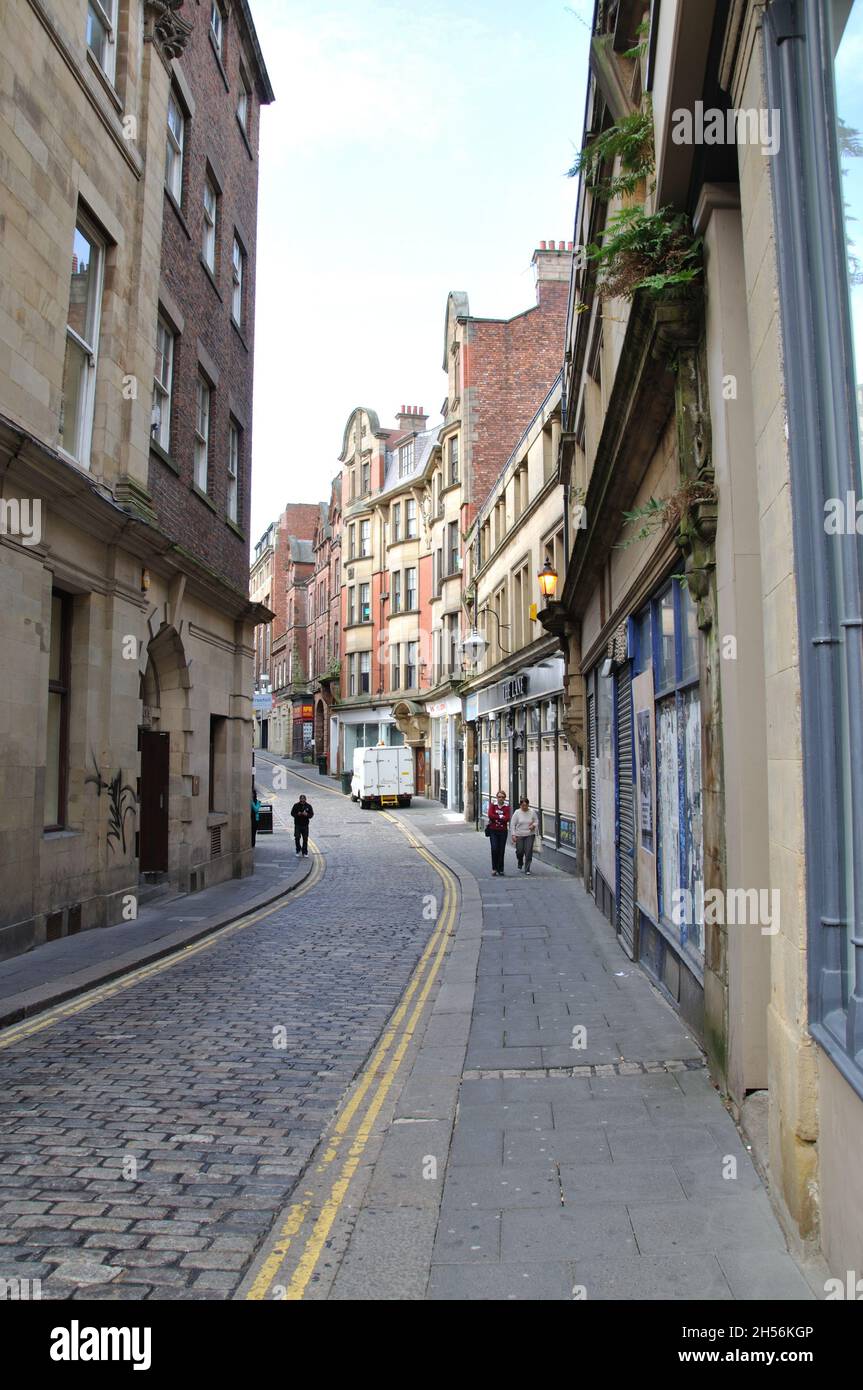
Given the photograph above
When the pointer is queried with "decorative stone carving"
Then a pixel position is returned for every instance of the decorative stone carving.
(165, 28)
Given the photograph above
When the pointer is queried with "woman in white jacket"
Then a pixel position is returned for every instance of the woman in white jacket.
(523, 828)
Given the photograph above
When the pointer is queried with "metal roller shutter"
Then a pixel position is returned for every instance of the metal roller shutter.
(591, 740)
(626, 813)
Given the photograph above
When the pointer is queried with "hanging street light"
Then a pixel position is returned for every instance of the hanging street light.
(547, 579)
(474, 646)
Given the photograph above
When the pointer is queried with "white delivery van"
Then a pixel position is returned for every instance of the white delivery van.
(383, 776)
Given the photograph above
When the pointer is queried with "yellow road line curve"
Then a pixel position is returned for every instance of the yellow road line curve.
(432, 957)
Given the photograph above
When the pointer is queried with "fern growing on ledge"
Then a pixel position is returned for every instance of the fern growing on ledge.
(646, 251)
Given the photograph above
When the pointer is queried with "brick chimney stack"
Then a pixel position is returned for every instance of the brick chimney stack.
(552, 264)
(411, 417)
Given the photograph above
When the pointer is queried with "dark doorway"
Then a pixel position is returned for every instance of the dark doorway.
(153, 837)
(265, 733)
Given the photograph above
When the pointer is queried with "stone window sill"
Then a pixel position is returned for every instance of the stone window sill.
(204, 496)
(164, 456)
(218, 57)
(246, 141)
(210, 276)
(179, 211)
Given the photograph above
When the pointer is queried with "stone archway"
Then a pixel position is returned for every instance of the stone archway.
(164, 730)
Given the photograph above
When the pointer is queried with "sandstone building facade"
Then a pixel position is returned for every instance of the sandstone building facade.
(127, 725)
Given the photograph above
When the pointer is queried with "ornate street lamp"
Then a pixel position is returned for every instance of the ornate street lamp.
(474, 646)
(547, 579)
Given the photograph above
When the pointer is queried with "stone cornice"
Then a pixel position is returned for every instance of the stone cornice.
(40, 471)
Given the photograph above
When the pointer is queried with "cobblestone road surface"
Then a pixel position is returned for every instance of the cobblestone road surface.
(179, 1073)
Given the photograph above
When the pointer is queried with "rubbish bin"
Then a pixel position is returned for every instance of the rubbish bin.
(322, 765)
(347, 778)
(265, 818)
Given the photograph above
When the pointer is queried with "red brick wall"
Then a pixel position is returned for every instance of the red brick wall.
(211, 134)
(508, 369)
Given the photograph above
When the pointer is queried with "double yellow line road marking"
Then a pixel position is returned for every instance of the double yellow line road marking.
(307, 1225)
(311, 1219)
(60, 1012)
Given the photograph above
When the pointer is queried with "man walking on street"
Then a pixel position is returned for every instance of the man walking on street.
(302, 813)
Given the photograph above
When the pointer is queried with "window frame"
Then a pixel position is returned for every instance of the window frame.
(164, 390)
(453, 460)
(238, 280)
(202, 441)
(407, 457)
(175, 147)
(217, 31)
(365, 672)
(106, 13)
(210, 224)
(62, 687)
(234, 457)
(87, 394)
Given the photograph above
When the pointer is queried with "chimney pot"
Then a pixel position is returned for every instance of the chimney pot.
(569, 246)
(542, 246)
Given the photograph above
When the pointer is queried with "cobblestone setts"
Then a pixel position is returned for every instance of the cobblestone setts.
(180, 1074)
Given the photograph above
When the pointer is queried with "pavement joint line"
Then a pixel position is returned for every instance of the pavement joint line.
(87, 998)
(596, 1069)
(298, 1213)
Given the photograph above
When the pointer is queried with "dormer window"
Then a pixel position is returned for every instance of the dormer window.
(406, 458)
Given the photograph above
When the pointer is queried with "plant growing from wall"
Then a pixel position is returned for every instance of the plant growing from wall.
(642, 33)
(646, 251)
(672, 513)
(631, 139)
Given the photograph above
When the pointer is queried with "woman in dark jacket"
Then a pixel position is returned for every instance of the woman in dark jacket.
(497, 828)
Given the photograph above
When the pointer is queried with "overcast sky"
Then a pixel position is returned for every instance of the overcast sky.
(412, 149)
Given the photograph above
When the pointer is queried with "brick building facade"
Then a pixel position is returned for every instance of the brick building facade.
(325, 623)
(272, 579)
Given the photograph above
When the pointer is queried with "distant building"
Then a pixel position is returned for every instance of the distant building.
(270, 579)
(325, 625)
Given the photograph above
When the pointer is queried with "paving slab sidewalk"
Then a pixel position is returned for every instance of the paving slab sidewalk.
(583, 1151)
(58, 970)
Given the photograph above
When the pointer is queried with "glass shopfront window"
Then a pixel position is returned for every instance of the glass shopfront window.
(668, 635)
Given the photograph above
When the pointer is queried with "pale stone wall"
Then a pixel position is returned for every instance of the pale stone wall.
(792, 1062)
(63, 145)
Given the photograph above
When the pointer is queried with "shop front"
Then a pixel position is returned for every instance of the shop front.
(522, 749)
(303, 730)
(645, 793)
(365, 728)
(447, 752)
